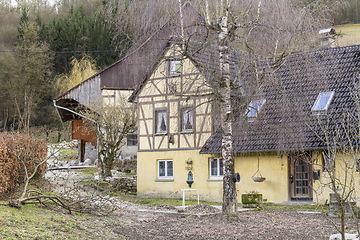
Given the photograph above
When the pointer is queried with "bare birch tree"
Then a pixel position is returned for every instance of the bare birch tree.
(264, 30)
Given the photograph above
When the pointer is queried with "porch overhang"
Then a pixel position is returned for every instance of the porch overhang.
(69, 109)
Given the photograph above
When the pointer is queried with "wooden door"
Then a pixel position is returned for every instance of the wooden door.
(300, 176)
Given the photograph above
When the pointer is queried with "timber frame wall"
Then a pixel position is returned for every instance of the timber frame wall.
(165, 92)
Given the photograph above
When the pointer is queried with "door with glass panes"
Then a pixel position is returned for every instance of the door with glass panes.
(300, 176)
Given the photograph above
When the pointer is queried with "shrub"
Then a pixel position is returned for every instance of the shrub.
(20, 153)
(9, 169)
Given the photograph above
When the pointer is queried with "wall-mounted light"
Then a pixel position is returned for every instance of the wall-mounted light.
(189, 163)
(236, 177)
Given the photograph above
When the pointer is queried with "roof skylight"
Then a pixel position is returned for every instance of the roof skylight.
(254, 108)
(323, 101)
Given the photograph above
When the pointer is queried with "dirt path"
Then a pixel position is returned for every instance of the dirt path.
(264, 224)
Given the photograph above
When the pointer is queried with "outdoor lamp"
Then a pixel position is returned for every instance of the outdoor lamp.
(190, 180)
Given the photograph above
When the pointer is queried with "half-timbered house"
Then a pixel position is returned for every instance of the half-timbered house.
(174, 122)
(280, 141)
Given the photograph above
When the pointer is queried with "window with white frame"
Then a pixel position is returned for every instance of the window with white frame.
(216, 168)
(161, 124)
(322, 102)
(174, 67)
(187, 120)
(254, 108)
(165, 169)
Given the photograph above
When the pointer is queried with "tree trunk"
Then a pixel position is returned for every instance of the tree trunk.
(229, 205)
(108, 167)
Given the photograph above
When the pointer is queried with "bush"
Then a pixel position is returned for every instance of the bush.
(9, 169)
(16, 152)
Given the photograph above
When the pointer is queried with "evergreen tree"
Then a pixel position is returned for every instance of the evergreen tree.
(31, 69)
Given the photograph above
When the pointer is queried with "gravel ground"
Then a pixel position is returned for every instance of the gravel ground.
(138, 222)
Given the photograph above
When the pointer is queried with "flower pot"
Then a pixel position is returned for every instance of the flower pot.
(258, 179)
(251, 200)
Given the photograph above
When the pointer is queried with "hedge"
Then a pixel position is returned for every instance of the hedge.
(17, 149)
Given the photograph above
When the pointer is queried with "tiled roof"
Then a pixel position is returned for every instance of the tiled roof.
(286, 121)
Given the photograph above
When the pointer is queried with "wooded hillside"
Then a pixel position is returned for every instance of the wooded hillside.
(42, 41)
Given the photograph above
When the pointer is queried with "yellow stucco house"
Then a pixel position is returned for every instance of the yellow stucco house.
(283, 127)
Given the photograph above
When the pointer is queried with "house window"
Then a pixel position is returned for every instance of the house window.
(174, 68)
(161, 125)
(323, 101)
(187, 120)
(254, 108)
(132, 140)
(165, 169)
(216, 168)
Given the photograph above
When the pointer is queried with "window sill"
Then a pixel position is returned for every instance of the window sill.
(164, 180)
(187, 131)
(174, 74)
(162, 133)
(214, 179)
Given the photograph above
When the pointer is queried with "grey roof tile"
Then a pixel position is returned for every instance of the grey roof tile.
(286, 121)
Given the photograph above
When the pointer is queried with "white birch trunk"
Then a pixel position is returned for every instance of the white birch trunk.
(229, 205)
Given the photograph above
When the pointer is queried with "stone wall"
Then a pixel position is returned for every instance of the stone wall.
(125, 184)
(335, 207)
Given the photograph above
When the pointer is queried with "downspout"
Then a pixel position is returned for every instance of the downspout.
(76, 113)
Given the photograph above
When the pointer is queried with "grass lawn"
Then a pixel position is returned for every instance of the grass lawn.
(33, 222)
(68, 154)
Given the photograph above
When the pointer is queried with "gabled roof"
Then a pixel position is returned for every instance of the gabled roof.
(205, 58)
(193, 31)
(128, 72)
(286, 121)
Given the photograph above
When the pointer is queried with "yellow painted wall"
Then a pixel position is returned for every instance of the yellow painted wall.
(345, 172)
(320, 193)
(149, 186)
(274, 188)
(274, 168)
